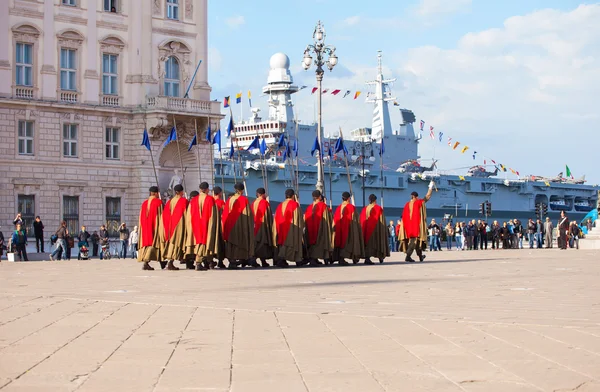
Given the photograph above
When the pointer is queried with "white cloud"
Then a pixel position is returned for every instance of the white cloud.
(351, 21)
(427, 8)
(235, 21)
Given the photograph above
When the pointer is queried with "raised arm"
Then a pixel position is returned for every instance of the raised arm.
(429, 192)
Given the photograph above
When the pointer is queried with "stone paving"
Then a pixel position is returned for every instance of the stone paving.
(507, 320)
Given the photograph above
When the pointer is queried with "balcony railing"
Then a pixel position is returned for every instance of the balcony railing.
(182, 104)
(24, 92)
(69, 96)
(110, 100)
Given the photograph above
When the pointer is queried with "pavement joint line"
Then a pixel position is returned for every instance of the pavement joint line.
(64, 345)
(352, 353)
(559, 341)
(164, 368)
(85, 305)
(90, 374)
(20, 303)
(291, 351)
(416, 356)
(525, 382)
(231, 352)
(586, 332)
(534, 353)
(34, 312)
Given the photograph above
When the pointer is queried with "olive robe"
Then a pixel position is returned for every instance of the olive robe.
(413, 225)
(172, 229)
(221, 244)
(375, 232)
(149, 248)
(288, 231)
(347, 234)
(238, 228)
(263, 229)
(202, 227)
(317, 222)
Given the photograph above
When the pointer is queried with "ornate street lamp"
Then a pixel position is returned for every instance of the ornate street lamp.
(319, 49)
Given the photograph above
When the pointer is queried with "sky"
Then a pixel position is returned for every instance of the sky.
(516, 81)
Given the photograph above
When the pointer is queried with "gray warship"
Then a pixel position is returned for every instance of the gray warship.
(287, 162)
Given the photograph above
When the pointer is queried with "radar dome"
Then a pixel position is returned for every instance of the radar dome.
(280, 60)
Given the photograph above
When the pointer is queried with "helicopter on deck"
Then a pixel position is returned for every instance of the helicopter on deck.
(413, 166)
(480, 172)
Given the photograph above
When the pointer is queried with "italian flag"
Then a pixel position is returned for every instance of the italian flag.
(569, 172)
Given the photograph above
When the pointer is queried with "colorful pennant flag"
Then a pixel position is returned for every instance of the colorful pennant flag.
(422, 125)
(465, 148)
(302, 88)
(226, 102)
(356, 94)
(146, 140)
(396, 103)
(503, 167)
(335, 92)
(455, 145)
(440, 137)
(172, 136)
(462, 178)
(193, 143)
(474, 153)
(431, 134)
(339, 146)
(494, 162)
(450, 141)
(238, 98)
(484, 162)
(346, 93)
(324, 91)
(547, 183)
(250, 98)
(314, 89)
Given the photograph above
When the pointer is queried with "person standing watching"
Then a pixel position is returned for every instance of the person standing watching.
(531, 230)
(495, 235)
(449, 234)
(38, 230)
(563, 229)
(548, 228)
(133, 242)
(19, 239)
(124, 238)
(103, 236)
(482, 228)
(539, 233)
(392, 236)
(95, 238)
(18, 219)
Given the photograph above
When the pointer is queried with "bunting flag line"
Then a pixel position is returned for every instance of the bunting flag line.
(462, 178)
(172, 136)
(422, 125)
(455, 145)
(250, 98)
(254, 145)
(431, 134)
(238, 97)
(324, 91)
(465, 148)
(335, 92)
(450, 141)
(226, 102)
(146, 140)
(503, 167)
(494, 162)
(474, 153)
(192, 143)
(547, 183)
(396, 103)
(346, 93)
(356, 94)
(315, 147)
(314, 89)
(441, 134)
(208, 135)
(263, 147)
(217, 139)
(484, 162)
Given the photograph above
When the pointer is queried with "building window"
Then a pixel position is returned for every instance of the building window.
(172, 77)
(71, 213)
(173, 9)
(112, 143)
(70, 140)
(113, 215)
(24, 63)
(72, 3)
(111, 5)
(109, 74)
(25, 137)
(68, 69)
(26, 206)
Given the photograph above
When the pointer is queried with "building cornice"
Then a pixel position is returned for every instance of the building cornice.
(70, 19)
(173, 32)
(26, 13)
(111, 26)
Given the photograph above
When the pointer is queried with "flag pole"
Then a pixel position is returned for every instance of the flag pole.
(221, 159)
(297, 164)
(263, 160)
(198, 152)
(180, 159)
(347, 168)
(237, 146)
(381, 171)
(212, 158)
(330, 180)
(152, 160)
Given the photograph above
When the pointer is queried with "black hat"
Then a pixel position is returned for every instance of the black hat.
(153, 189)
(178, 188)
(204, 185)
(345, 195)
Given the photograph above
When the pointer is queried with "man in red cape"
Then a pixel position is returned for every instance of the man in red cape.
(263, 228)
(317, 220)
(218, 196)
(413, 234)
(375, 232)
(172, 229)
(347, 233)
(238, 228)
(288, 231)
(202, 229)
(149, 223)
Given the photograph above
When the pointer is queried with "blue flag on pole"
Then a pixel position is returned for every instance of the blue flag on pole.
(295, 148)
(263, 147)
(330, 152)
(281, 141)
(230, 125)
(172, 136)
(382, 149)
(231, 151)
(254, 145)
(287, 152)
(208, 135)
(146, 140)
(193, 143)
(340, 146)
(217, 139)
(316, 147)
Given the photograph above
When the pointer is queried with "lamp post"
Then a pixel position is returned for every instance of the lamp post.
(319, 49)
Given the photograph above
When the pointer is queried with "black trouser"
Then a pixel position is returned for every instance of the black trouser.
(475, 241)
(505, 243)
(39, 243)
(496, 243)
(95, 250)
(22, 251)
(414, 244)
(483, 240)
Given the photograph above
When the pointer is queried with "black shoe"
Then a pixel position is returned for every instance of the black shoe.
(163, 264)
(355, 261)
(315, 263)
(254, 264)
(380, 261)
(343, 262)
(264, 264)
(189, 265)
(409, 259)
(200, 267)
(368, 261)
(232, 265)
(282, 264)
(220, 264)
(421, 258)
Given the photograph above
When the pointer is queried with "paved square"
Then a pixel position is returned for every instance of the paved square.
(514, 320)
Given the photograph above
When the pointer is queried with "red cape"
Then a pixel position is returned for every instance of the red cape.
(312, 218)
(259, 214)
(412, 224)
(220, 204)
(170, 220)
(232, 214)
(341, 223)
(284, 219)
(369, 223)
(200, 219)
(148, 221)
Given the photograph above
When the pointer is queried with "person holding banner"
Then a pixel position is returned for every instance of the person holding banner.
(238, 229)
(347, 233)
(263, 228)
(149, 248)
(288, 231)
(202, 229)
(172, 231)
(413, 234)
(375, 233)
(317, 220)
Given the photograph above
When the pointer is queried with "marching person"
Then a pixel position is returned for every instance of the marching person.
(347, 233)
(317, 221)
(563, 229)
(38, 230)
(414, 225)
(172, 229)
(372, 221)
(263, 228)
(149, 247)
(202, 229)
(238, 229)
(19, 240)
(288, 231)
(218, 196)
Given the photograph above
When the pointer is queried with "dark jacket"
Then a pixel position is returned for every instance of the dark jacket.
(38, 228)
(103, 234)
(95, 238)
(84, 236)
(61, 233)
(19, 237)
(531, 227)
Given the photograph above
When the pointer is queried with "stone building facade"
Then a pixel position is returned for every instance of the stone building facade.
(79, 82)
